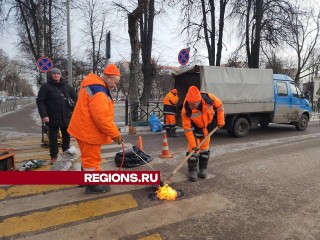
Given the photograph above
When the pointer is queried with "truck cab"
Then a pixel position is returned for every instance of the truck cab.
(290, 105)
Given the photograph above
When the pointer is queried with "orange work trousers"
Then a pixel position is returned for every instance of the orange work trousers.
(90, 156)
(170, 119)
(204, 147)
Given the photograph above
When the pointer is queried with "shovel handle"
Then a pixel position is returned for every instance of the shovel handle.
(191, 153)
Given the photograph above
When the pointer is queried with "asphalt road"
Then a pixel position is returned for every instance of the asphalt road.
(264, 186)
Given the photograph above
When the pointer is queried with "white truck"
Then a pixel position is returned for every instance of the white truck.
(250, 96)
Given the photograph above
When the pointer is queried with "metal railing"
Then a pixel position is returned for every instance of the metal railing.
(11, 105)
(136, 113)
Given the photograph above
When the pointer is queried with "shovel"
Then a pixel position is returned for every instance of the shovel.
(162, 183)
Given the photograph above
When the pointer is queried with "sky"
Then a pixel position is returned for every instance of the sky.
(166, 43)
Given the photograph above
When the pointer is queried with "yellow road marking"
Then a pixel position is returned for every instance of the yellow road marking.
(3, 194)
(23, 190)
(66, 214)
(152, 237)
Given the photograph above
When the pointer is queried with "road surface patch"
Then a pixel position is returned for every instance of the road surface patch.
(135, 222)
(66, 214)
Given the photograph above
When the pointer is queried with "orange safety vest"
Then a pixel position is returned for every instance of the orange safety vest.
(170, 104)
(196, 121)
(92, 120)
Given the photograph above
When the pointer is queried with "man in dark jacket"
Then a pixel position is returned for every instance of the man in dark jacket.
(55, 108)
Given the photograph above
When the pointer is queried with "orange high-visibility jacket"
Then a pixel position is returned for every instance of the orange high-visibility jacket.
(92, 120)
(195, 121)
(169, 104)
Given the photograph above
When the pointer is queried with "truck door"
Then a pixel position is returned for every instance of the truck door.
(282, 108)
(297, 102)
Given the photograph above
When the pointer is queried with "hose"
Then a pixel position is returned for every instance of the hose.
(136, 155)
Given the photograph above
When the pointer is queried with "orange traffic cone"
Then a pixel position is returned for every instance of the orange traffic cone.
(165, 148)
(140, 143)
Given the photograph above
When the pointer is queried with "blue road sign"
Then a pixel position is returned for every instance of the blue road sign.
(183, 56)
(44, 64)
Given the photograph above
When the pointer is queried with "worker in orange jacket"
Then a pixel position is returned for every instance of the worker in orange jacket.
(199, 109)
(170, 111)
(92, 122)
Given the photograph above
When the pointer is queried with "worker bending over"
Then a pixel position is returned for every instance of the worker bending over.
(199, 110)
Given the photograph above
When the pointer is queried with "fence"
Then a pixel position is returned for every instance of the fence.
(139, 114)
(11, 105)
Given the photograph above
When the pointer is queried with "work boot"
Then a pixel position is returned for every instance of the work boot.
(203, 164)
(192, 168)
(203, 173)
(94, 189)
(53, 160)
(173, 132)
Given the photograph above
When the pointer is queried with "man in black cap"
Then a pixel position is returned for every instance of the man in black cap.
(55, 102)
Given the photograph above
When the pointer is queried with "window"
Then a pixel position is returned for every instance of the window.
(295, 91)
(282, 89)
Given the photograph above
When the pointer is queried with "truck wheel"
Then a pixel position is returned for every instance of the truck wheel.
(241, 127)
(302, 124)
(264, 124)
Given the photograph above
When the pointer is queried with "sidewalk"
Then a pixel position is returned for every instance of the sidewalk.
(141, 129)
(315, 117)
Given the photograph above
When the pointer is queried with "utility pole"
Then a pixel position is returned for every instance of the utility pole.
(108, 46)
(69, 45)
(42, 31)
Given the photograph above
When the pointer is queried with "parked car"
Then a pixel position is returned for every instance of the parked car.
(3, 99)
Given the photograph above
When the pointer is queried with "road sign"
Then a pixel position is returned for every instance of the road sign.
(183, 56)
(44, 64)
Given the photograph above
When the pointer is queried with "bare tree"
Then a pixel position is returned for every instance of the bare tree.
(133, 29)
(38, 23)
(301, 31)
(94, 15)
(134, 17)
(260, 21)
(4, 65)
(205, 28)
(146, 33)
(124, 80)
(11, 79)
(279, 65)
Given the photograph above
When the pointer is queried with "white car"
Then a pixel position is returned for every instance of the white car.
(3, 99)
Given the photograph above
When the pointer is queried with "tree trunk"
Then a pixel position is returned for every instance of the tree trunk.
(133, 28)
(247, 41)
(146, 29)
(210, 40)
(223, 4)
(255, 50)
